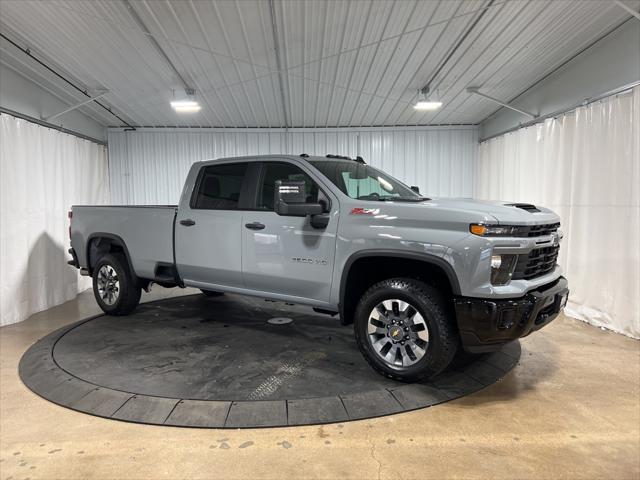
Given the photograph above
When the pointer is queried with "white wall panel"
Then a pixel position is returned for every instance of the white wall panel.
(585, 165)
(148, 166)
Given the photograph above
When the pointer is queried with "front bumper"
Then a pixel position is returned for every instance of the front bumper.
(486, 324)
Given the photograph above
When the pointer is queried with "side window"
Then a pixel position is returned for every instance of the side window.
(220, 186)
(283, 171)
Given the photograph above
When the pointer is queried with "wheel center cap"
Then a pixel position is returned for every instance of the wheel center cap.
(395, 333)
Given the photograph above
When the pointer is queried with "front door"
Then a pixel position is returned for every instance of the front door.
(209, 229)
(286, 255)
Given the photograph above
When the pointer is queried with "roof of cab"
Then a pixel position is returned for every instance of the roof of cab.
(277, 156)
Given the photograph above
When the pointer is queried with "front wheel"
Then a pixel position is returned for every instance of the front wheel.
(114, 287)
(404, 331)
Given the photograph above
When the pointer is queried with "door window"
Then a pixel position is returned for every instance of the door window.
(283, 171)
(220, 186)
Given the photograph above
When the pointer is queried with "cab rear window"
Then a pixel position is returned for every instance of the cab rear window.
(219, 187)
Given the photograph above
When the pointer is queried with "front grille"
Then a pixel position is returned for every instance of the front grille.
(536, 263)
(541, 230)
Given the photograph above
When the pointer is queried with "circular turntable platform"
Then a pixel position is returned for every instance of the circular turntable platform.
(196, 361)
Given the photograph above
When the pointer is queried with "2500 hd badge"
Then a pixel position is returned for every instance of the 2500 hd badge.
(312, 261)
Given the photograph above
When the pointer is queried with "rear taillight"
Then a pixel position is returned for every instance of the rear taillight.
(70, 216)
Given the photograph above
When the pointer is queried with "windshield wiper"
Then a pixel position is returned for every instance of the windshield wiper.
(407, 199)
(373, 198)
(393, 199)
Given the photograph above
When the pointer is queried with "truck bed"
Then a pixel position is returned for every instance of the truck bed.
(146, 230)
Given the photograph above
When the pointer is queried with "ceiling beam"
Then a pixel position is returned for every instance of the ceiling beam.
(628, 9)
(154, 43)
(281, 72)
(73, 107)
(474, 90)
(455, 48)
(28, 53)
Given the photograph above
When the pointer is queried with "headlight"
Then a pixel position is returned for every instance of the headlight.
(502, 267)
(497, 230)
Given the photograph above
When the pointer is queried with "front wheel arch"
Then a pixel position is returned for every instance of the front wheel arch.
(367, 267)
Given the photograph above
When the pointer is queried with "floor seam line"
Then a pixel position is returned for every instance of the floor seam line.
(120, 407)
(174, 407)
(345, 407)
(226, 418)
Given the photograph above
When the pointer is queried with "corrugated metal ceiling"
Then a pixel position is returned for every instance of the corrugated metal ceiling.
(297, 63)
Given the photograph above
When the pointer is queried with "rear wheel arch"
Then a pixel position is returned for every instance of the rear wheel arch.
(100, 244)
(363, 269)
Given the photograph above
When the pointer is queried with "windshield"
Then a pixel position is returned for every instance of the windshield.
(363, 182)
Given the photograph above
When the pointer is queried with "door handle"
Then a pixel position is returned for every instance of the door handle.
(187, 223)
(254, 226)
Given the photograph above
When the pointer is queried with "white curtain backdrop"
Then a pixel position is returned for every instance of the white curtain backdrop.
(585, 165)
(149, 166)
(42, 173)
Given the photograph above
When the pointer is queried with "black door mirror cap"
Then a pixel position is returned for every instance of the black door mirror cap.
(298, 209)
(290, 200)
(320, 221)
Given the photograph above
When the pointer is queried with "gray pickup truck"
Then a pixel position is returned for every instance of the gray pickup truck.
(420, 278)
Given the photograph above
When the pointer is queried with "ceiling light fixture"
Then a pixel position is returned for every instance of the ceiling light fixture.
(188, 104)
(427, 102)
(185, 106)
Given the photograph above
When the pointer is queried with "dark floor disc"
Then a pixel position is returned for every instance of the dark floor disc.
(216, 362)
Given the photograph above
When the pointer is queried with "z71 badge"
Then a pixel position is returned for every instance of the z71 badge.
(309, 261)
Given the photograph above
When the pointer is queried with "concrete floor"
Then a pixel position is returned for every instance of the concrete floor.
(571, 409)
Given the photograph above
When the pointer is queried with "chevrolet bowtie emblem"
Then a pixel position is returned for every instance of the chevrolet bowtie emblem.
(395, 334)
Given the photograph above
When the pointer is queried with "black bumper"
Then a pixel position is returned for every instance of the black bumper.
(486, 324)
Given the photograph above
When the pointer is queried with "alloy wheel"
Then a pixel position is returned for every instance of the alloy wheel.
(398, 333)
(108, 284)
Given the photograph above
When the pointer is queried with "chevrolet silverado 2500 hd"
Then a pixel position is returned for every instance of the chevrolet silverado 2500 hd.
(420, 278)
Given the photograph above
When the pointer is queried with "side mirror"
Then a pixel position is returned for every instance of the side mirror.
(290, 200)
(415, 188)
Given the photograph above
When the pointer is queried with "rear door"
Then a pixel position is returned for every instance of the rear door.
(209, 227)
(286, 255)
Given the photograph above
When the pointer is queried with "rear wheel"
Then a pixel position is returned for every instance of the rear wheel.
(211, 293)
(114, 287)
(403, 329)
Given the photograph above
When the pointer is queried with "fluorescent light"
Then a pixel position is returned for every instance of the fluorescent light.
(427, 105)
(187, 109)
(428, 100)
(185, 106)
(184, 103)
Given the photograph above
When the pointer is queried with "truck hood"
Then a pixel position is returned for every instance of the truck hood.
(506, 213)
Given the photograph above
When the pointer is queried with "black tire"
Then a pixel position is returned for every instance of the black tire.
(128, 290)
(443, 339)
(211, 293)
